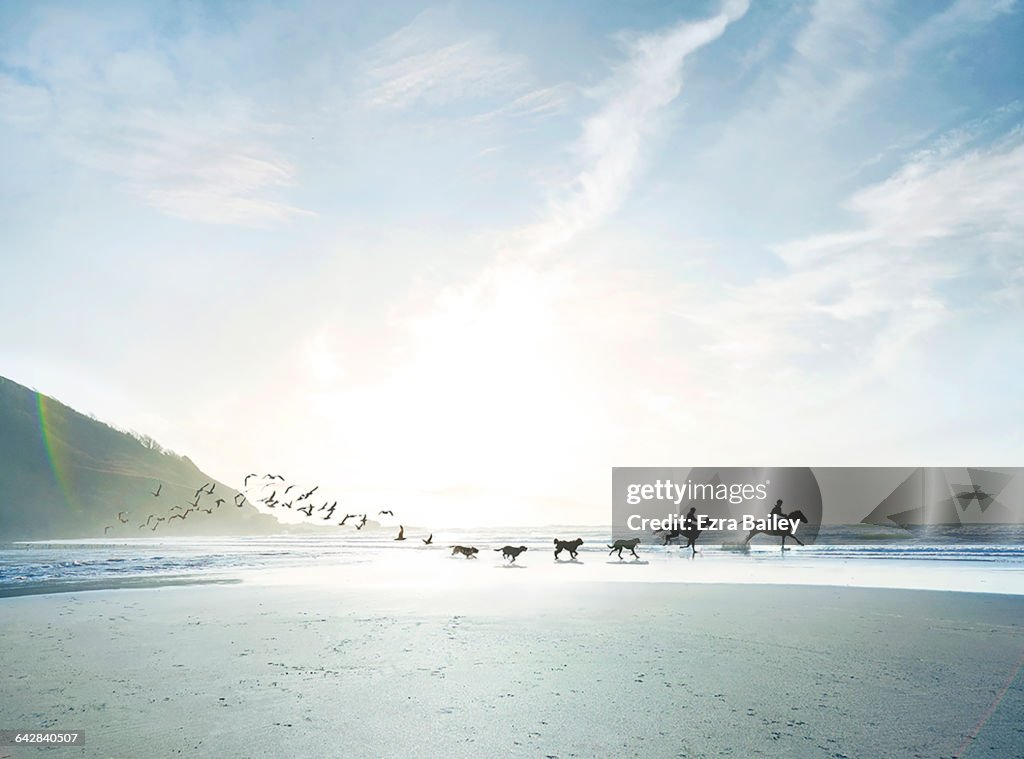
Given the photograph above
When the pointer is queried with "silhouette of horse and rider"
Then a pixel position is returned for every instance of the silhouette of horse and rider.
(691, 531)
(789, 532)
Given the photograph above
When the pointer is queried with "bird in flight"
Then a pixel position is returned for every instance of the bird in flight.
(122, 517)
(401, 533)
(106, 529)
(304, 496)
(245, 483)
(202, 489)
(390, 513)
(156, 492)
(219, 502)
(428, 540)
(308, 510)
(347, 517)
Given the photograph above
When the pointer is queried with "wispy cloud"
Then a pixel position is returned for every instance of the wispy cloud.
(851, 301)
(610, 148)
(431, 62)
(192, 153)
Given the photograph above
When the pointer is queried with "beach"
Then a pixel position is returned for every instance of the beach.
(517, 668)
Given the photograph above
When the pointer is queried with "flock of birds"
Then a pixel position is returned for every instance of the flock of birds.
(301, 502)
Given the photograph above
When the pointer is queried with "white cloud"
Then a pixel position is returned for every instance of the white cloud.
(631, 100)
(188, 151)
(431, 62)
(850, 302)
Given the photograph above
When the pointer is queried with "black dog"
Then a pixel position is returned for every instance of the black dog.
(572, 546)
(625, 545)
(510, 552)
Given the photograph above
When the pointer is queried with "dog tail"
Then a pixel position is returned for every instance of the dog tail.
(496, 550)
(611, 546)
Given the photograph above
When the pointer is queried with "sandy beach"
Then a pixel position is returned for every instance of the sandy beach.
(568, 670)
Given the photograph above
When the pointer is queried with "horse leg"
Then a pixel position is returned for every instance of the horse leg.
(797, 539)
(752, 534)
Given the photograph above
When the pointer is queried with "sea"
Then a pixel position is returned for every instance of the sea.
(981, 558)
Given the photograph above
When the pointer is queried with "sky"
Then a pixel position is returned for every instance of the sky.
(464, 258)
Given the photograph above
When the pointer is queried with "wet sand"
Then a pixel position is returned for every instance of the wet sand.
(571, 670)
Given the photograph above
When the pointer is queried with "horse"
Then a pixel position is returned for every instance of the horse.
(691, 534)
(798, 515)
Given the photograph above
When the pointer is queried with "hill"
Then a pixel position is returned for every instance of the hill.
(66, 475)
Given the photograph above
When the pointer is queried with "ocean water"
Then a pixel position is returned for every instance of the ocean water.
(981, 558)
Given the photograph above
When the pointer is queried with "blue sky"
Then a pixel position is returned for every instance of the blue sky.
(470, 256)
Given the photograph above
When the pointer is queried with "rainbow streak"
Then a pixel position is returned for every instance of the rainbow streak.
(60, 474)
(969, 739)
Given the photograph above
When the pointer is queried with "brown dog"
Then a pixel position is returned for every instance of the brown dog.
(468, 551)
(572, 546)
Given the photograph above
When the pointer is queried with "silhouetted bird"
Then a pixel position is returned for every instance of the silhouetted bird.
(304, 496)
(219, 501)
(401, 533)
(106, 529)
(245, 482)
(347, 517)
(157, 491)
(308, 510)
(287, 489)
(122, 517)
(389, 513)
(212, 486)
(202, 489)
(428, 540)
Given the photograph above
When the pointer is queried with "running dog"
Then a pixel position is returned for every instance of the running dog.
(572, 546)
(468, 551)
(628, 545)
(511, 552)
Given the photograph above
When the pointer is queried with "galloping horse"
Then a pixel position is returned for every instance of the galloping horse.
(782, 533)
(691, 534)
